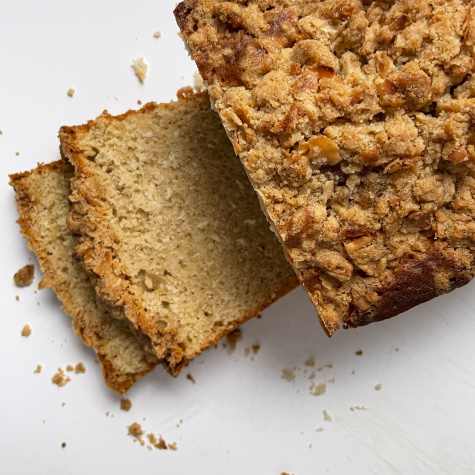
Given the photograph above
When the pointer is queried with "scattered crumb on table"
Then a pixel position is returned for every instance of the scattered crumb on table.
(378, 386)
(327, 416)
(63, 404)
(70, 367)
(319, 429)
(60, 379)
(255, 349)
(17, 153)
(140, 68)
(125, 404)
(17, 298)
(190, 377)
(135, 430)
(172, 446)
(310, 362)
(63, 445)
(80, 368)
(288, 375)
(38, 368)
(161, 444)
(359, 352)
(25, 275)
(71, 92)
(318, 389)
(26, 330)
(157, 34)
(233, 337)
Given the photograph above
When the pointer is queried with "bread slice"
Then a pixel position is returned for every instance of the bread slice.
(169, 227)
(43, 206)
(355, 123)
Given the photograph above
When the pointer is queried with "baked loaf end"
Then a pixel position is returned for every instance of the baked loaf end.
(43, 206)
(355, 123)
(169, 226)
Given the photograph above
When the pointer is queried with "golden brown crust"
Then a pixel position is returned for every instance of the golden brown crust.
(355, 123)
(94, 335)
(90, 219)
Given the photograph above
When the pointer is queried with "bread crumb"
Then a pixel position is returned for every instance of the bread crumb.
(378, 386)
(199, 85)
(26, 330)
(60, 379)
(396, 349)
(319, 429)
(125, 404)
(172, 446)
(310, 362)
(17, 298)
(63, 404)
(71, 92)
(80, 368)
(140, 68)
(157, 34)
(38, 368)
(233, 337)
(17, 153)
(359, 352)
(63, 445)
(288, 375)
(24, 276)
(361, 407)
(161, 444)
(318, 389)
(139, 102)
(152, 438)
(327, 416)
(70, 367)
(190, 377)
(329, 366)
(135, 430)
(255, 349)
(1, 132)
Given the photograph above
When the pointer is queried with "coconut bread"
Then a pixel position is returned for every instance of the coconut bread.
(169, 228)
(42, 198)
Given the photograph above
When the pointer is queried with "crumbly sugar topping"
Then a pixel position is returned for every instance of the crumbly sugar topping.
(355, 121)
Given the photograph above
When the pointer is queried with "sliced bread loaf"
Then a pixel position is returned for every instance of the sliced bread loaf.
(42, 199)
(170, 228)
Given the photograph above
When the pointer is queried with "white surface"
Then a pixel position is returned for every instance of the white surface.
(240, 417)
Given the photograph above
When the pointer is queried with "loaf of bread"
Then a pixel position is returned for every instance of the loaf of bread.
(42, 195)
(170, 230)
(355, 121)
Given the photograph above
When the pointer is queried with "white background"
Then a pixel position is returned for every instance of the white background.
(240, 417)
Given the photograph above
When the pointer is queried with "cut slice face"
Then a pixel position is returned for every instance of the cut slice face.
(170, 229)
(355, 122)
(43, 206)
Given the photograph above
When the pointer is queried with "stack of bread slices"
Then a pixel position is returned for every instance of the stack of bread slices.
(152, 237)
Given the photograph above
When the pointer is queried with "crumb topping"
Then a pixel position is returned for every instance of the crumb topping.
(355, 121)
(26, 330)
